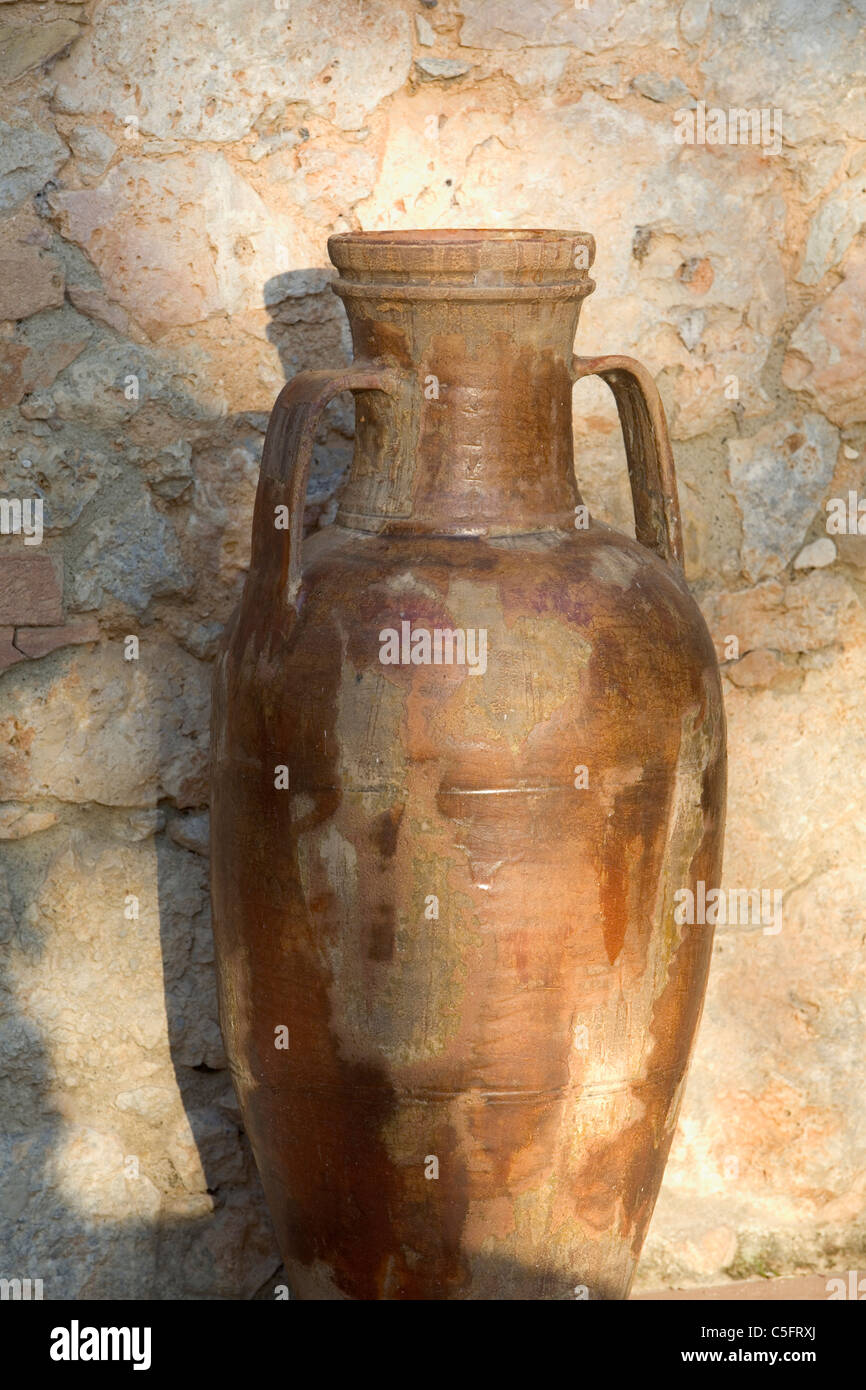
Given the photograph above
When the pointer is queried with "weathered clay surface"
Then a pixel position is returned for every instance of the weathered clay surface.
(530, 1037)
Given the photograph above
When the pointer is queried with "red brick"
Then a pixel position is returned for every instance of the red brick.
(39, 641)
(8, 654)
(31, 590)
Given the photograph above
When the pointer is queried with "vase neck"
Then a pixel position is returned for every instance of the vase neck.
(479, 439)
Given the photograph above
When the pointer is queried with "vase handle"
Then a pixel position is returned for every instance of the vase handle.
(648, 451)
(285, 470)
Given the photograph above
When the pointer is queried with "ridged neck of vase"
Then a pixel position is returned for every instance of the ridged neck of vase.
(481, 326)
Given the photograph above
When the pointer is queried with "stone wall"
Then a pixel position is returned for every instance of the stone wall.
(169, 173)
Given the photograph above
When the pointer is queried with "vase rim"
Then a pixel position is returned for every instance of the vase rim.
(464, 256)
(451, 234)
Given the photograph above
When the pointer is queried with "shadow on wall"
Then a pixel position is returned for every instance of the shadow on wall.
(244, 1261)
(206, 1093)
(85, 1084)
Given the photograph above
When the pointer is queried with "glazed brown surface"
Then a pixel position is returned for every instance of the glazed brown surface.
(533, 1037)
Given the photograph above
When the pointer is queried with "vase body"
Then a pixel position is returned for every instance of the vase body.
(456, 1001)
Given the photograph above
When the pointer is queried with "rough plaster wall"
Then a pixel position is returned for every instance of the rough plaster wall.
(169, 172)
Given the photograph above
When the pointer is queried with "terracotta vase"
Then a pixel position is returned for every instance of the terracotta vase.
(454, 992)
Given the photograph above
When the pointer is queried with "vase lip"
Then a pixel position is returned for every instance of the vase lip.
(468, 257)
